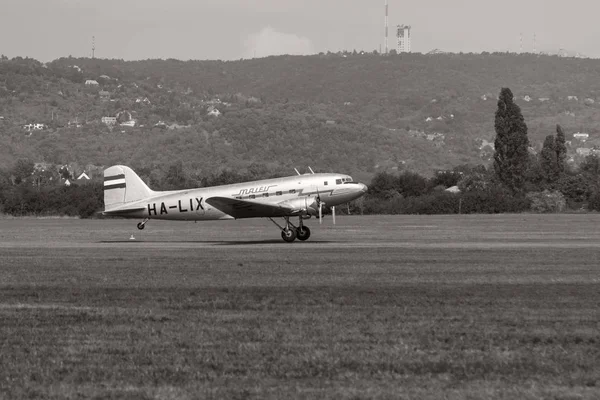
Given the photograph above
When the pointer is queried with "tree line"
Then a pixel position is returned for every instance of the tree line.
(518, 180)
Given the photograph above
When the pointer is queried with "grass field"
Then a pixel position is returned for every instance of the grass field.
(414, 307)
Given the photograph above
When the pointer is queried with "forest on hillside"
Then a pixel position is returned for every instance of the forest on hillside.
(357, 113)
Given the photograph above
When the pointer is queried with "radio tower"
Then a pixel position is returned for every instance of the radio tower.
(386, 27)
(521, 43)
(93, 45)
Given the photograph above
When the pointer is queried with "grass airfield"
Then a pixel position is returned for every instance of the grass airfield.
(414, 307)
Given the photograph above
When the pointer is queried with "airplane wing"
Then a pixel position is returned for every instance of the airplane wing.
(250, 209)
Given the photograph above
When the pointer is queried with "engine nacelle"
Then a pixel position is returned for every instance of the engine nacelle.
(308, 205)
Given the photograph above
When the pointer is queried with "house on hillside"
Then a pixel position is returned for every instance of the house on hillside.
(213, 111)
(572, 98)
(34, 127)
(109, 120)
(91, 82)
(130, 123)
(104, 95)
(144, 100)
(83, 177)
(581, 136)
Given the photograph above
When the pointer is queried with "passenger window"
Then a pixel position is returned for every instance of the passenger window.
(292, 190)
(239, 197)
(265, 194)
(278, 193)
(325, 183)
(338, 181)
(252, 196)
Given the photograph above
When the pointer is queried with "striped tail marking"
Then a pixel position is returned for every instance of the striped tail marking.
(114, 182)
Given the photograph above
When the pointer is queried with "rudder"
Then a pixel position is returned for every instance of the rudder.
(121, 186)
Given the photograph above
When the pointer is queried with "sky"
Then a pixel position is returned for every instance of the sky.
(234, 29)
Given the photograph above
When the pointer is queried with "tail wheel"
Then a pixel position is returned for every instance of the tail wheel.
(140, 225)
(303, 233)
(289, 235)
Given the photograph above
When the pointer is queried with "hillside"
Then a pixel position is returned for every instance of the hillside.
(347, 112)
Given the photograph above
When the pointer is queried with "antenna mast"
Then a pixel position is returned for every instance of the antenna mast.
(93, 46)
(521, 43)
(386, 27)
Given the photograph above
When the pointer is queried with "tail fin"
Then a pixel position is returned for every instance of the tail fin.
(122, 186)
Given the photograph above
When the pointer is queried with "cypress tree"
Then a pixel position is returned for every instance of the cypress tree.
(561, 150)
(548, 159)
(511, 156)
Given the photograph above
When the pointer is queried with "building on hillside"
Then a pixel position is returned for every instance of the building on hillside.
(91, 82)
(403, 39)
(145, 100)
(109, 120)
(83, 176)
(130, 123)
(104, 95)
(213, 112)
(34, 127)
(581, 136)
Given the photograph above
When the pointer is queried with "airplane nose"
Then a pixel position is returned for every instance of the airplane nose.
(363, 188)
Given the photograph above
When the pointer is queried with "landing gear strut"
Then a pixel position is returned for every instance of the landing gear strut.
(141, 225)
(289, 232)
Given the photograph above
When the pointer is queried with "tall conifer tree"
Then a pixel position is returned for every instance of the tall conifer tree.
(548, 159)
(511, 156)
(561, 149)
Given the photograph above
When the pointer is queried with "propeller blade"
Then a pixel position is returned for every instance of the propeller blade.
(333, 213)
(320, 213)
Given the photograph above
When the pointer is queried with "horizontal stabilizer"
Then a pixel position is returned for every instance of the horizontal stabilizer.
(123, 211)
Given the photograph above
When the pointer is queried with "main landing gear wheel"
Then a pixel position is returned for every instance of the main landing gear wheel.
(303, 233)
(289, 235)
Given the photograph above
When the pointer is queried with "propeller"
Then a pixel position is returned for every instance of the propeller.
(321, 203)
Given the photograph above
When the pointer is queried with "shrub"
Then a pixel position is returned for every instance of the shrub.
(547, 201)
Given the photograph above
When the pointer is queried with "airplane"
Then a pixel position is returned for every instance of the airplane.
(303, 196)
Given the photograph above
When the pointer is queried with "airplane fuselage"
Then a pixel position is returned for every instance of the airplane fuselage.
(299, 190)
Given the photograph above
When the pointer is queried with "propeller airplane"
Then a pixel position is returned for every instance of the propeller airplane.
(302, 196)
